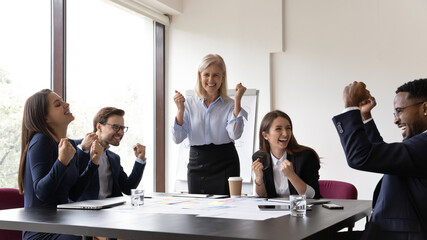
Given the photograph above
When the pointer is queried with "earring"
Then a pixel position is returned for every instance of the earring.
(425, 114)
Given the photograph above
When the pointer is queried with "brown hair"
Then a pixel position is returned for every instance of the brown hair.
(207, 61)
(293, 146)
(33, 121)
(103, 115)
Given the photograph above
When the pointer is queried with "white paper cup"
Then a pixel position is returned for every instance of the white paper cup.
(235, 184)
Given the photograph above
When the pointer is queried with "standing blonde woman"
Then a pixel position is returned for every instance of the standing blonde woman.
(49, 171)
(211, 121)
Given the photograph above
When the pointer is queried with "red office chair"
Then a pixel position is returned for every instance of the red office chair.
(10, 198)
(338, 190)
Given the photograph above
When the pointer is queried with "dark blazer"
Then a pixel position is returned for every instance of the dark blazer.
(306, 166)
(47, 182)
(400, 199)
(121, 182)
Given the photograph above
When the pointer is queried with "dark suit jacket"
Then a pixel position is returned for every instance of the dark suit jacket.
(121, 182)
(48, 182)
(306, 166)
(400, 199)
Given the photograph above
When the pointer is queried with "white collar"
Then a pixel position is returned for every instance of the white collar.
(219, 98)
(275, 160)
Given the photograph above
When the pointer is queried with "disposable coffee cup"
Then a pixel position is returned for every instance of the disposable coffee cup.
(235, 184)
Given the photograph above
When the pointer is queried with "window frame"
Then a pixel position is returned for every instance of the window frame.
(58, 81)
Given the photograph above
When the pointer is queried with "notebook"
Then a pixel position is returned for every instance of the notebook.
(93, 204)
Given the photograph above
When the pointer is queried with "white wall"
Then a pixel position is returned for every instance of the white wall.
(328, 44)
(243, 32)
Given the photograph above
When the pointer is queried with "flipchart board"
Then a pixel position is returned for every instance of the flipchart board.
(244, 145)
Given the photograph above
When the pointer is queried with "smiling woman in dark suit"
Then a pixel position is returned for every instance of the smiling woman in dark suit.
(282, 167)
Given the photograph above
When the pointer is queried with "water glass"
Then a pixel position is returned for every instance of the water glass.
(298, 205)
(137, 197)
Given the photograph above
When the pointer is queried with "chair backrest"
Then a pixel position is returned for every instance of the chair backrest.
(337, 189)
(10, 198)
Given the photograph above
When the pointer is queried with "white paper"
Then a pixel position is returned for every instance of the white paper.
(230, 208)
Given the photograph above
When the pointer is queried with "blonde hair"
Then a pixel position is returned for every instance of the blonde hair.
(207, 61)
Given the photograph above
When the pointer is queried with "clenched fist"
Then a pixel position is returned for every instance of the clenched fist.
(66, 151)
(88, 140)
(287, 168)
(139, 151)
(179, 100)
(354, 94)
(96, 152)
(240, 90)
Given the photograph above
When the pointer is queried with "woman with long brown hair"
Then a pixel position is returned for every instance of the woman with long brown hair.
(49, 171)
(282, 167)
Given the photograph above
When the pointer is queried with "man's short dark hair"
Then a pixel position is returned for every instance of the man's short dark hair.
(416, 88)
(103, 114)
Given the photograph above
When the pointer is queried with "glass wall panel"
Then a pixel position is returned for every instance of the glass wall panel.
(24, 69)
(110, 63)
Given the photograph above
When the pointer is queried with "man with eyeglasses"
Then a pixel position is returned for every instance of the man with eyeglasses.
(400, 198)
(111, 180)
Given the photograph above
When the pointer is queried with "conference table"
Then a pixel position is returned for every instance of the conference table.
(138, 223)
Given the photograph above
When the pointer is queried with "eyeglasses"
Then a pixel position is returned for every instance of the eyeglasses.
(398, 111)
(116, 127)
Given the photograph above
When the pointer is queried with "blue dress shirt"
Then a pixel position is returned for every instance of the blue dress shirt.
(205, 125)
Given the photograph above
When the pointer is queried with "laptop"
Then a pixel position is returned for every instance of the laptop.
(93, 204)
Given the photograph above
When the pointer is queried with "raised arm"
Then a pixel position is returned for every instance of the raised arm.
(179, 100)
(240, 90)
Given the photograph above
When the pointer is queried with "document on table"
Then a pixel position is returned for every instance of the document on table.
(231, 208)
(309, 201)
(192, 195)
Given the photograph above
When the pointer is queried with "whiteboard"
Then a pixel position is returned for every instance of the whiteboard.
(244, 145)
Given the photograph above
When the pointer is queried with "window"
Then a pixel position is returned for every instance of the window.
(110, 63)
(24, 69)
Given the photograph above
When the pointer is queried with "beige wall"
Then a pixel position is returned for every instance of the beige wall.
(327, 44)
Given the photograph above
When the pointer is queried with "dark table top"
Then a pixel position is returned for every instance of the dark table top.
(317, 224)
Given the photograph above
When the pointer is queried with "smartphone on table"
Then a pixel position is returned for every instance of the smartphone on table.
(332, 206)
(273, 207)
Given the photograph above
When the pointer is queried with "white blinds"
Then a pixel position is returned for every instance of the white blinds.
(144, 8)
